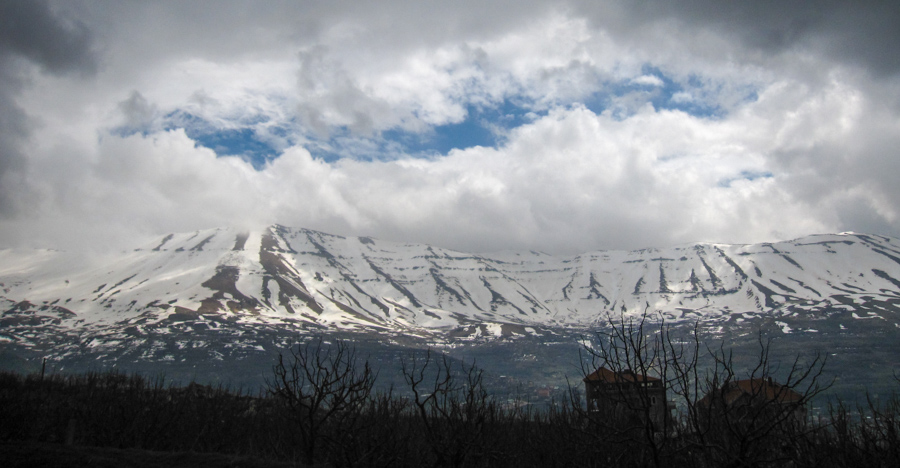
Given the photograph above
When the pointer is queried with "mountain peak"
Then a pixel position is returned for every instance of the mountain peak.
(296, 276)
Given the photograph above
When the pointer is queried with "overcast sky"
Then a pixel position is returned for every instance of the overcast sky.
(555, 126)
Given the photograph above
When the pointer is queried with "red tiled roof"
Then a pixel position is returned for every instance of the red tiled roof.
(765, 388)
(605, 375)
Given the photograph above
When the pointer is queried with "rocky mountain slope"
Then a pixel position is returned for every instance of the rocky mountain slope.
(297, 275)
(226, 291)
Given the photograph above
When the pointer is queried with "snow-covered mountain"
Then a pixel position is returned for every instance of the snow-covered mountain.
(304, 278)
(217, 305)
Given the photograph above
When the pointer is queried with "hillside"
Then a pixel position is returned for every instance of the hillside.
(220, 295)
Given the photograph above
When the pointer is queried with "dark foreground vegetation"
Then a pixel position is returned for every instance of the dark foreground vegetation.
(320, 409)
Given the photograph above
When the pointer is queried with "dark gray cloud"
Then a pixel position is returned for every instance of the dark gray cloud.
(607, 142)
(13, 124)
(30, 33)
(864, 33)
(30, 29)
(138, 112)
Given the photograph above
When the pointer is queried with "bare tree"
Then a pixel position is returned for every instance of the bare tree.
(324, 391)
(726, 420)
(631, 369)
(760, 419)
(454, 408)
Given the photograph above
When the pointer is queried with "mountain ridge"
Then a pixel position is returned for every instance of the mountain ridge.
(302, 276)
(220, 304)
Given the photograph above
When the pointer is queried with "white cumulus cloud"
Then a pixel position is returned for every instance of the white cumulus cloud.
(612, 125)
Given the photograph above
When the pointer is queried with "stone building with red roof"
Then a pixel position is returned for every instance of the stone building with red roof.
(626, 394)
(752, 399)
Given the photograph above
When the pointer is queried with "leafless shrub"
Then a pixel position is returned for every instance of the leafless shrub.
(324, 392)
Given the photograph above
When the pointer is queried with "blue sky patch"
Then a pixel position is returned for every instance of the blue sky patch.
(243, 141)
(483, 126)
(662, 91)
(443, 138)
(235, 142)
(746, 175)
(258, 140)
